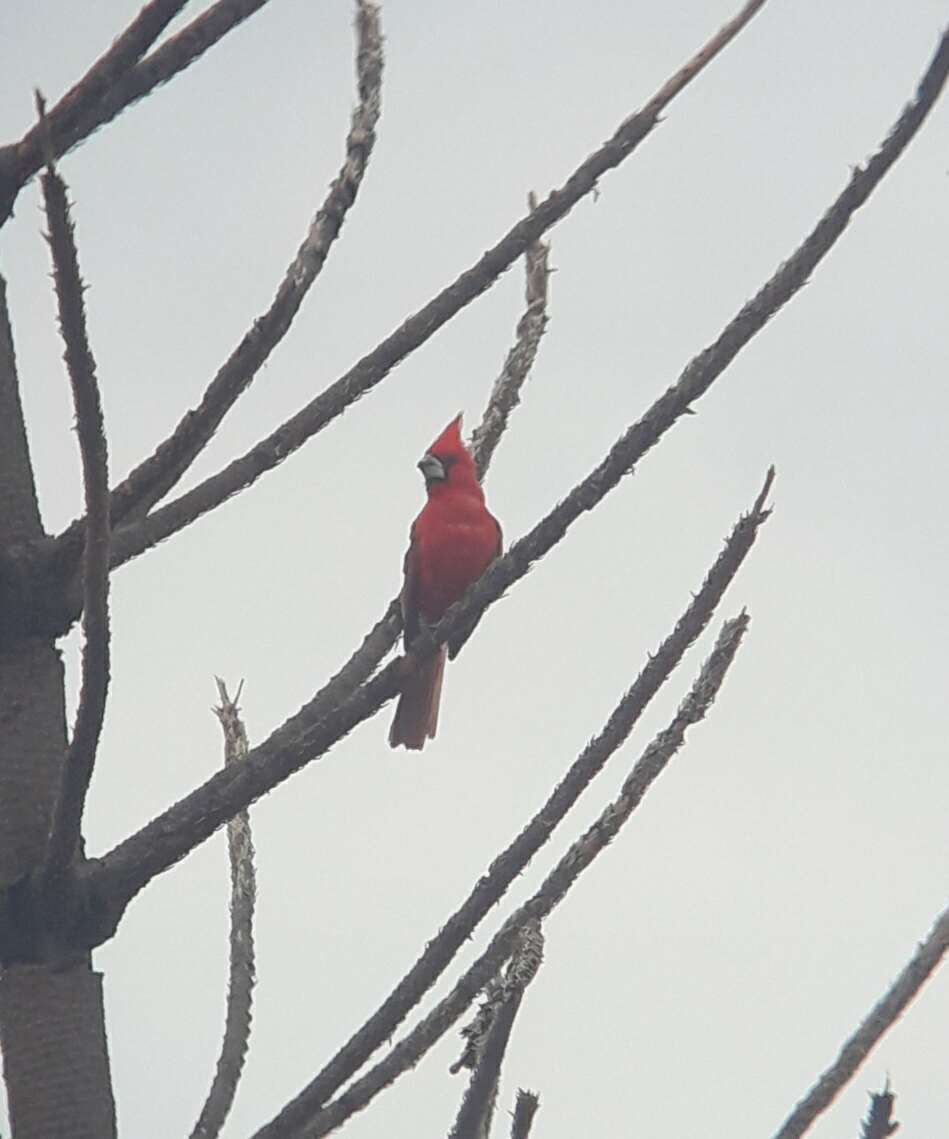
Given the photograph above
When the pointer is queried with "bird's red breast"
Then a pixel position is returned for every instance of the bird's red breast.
(454, 540)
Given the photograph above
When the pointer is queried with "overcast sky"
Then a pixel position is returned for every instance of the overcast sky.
(780, 873)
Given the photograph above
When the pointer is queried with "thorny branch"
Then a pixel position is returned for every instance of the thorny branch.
(488, 1037)
(554, 888)
(90, 429)
(39, 145)
(525, 1108)
(100, 96)
(418, 328)
(240, 987)
(881, 1017)
(506, 393)
(488, 890)
(160, 66)
(156, 475)
(879, 1123)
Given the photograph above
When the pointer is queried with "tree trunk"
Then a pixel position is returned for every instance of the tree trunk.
(52, 1031)
(55, 1057)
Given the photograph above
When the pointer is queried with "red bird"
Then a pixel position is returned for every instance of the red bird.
(452, 542)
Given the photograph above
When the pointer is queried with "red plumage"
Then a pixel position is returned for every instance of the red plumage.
(452, 542)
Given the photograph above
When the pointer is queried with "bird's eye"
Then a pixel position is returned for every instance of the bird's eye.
(448, 462)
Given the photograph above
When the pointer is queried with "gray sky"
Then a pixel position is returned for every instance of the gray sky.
(782, 870)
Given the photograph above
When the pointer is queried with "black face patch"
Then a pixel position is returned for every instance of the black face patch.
(432, 468)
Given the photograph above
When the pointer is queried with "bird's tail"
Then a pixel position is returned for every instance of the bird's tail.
(416, 716)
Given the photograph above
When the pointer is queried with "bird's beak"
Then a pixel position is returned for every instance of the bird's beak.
(433, 469)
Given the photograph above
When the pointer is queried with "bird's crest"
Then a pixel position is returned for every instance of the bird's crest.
(450, 441)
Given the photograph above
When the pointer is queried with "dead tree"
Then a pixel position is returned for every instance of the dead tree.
(58, 902)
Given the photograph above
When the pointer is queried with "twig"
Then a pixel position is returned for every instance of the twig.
(319, 724)
(154, 477)
(488, 890)
(525, 1108)
(506, 393)
(20, 161)
(879, 1123)
(417, 329)
(80, 756)
(242, 977)
(488, 1042)
(881, 1017)
(556, 885)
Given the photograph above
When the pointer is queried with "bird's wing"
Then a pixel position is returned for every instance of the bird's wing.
(456, 643)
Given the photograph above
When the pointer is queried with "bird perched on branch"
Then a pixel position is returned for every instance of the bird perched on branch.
(452, 542)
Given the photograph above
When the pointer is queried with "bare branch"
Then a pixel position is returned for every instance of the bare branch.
(881, 1017)
(19, 164)
(176, 54)
(22, 160)
(487, 1043)
(80, 756)
(521, 969)
(879, 1123)
(558, 882)
(418, 328)
(154, 477)
(506, 394)
(319, 724)
(488, 890)
(476, 1111)
(525, 1108)
(243, 897)
(476, 1033)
